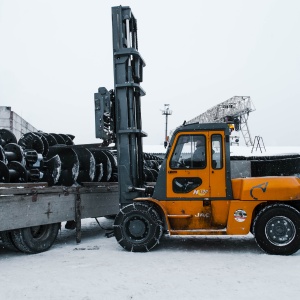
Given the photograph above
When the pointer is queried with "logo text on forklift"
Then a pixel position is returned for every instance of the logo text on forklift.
(200, 192)
(202, 215)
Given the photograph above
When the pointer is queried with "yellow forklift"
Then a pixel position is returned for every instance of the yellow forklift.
(194, 193)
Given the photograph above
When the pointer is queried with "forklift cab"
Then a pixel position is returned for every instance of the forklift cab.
(196, 164)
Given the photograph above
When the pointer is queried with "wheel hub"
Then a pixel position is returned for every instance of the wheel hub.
(38, 232)
(280, 231)
(137, 228)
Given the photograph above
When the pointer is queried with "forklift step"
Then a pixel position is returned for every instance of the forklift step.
(179, 216)
(199, 232)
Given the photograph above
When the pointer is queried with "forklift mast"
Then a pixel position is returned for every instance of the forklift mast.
(118, 112)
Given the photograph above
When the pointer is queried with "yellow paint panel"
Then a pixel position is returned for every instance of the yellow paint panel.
(235, 227)
(190, 215)
(266, 188)
(220, 209)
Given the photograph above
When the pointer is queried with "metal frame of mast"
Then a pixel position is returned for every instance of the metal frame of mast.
(118, 112)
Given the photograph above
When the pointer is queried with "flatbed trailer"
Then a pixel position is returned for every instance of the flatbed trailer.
(30, 212)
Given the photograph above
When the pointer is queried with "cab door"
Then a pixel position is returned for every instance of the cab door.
(197, 171)
(217, 165)
(188, 172)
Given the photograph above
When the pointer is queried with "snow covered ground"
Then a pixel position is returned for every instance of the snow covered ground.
(178, 268)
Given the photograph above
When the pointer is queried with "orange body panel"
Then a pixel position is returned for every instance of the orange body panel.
(240, 226)
(266, 188)
(194, 214)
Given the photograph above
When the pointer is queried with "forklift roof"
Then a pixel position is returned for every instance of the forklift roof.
(203, 126)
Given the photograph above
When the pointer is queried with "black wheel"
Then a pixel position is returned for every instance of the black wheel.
(5, 237)
(35, 239)
(138, 227)
(277, 229)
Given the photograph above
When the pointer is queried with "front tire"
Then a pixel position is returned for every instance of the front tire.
(138, 227)
(277, 229)
(35, 239)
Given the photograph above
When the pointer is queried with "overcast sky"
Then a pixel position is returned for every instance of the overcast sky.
(55, 54)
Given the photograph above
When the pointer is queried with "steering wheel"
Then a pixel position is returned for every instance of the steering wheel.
(180, 163)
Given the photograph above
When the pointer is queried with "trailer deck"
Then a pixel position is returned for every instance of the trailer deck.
(34, 204)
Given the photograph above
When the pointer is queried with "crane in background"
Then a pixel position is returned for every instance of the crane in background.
(234, 111)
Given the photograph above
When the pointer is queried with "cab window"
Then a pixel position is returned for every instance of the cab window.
(189, 152)
(217, 150)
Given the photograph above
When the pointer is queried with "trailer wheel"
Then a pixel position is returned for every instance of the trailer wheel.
(138, 227)
(5, 237)
(35, 239)
(277, 229)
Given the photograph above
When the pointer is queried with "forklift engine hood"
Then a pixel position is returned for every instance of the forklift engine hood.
(266, 188)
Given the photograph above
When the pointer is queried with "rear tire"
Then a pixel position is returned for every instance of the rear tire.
(35, 239)
(7, 241)
(138, 227)
(277, 229)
